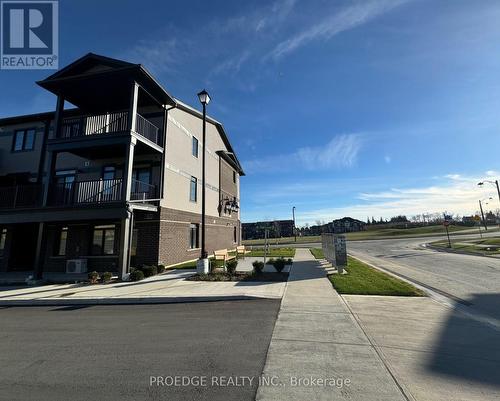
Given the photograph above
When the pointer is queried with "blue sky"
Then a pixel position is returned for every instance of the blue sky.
(360, 108)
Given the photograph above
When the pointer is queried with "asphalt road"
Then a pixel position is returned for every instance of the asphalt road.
(473, 281)
(111, 352)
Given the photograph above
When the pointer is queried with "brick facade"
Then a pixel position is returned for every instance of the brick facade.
(174, 235)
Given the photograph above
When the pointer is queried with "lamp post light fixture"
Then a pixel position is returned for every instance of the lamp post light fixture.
(492, 183)
(202, 265)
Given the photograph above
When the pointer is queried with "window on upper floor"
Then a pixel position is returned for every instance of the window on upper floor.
(194, 149)
(193, 189)
(24, 140)
(234, 177)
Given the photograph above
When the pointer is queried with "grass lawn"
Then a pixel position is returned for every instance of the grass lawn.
(381, 233)
(364, 280)
(317, 253)
(273, 252)
(478, 247)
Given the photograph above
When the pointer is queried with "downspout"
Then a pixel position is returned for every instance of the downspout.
(162, 175)
(130, 215)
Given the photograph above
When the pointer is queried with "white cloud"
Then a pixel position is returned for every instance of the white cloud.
(156, 55)
(341, 152)
(455, 193)
(348, 18)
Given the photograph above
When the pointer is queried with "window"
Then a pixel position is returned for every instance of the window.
(234, 177)
(3, 237)
(194, 150)
(24, 140)
(103, 241)
(109, 173)
(193, 189)
(62, 239)
(235, 239)
(194, 230)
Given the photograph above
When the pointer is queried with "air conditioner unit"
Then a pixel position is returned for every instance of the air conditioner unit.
(76, 266)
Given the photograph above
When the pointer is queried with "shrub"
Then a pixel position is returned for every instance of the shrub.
(149, 271)
(279, 265)
(231, 266)
(161, 269)
(106, 277)
(289, 261)
(270, 261)
(93, 277)
(258, 266)
(136, 275)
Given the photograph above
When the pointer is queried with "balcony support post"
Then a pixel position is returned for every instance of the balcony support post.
(38, 263)
(132, 113)
(125, 244)
(52, 160)
(127, 170)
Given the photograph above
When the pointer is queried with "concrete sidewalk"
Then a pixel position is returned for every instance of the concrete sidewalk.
(316, 337)
(164, 288)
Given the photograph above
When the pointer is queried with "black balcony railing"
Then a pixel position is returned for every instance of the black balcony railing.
(20, 196)
(147, 129)
(142, 191)
(89, 125)
(86, 192)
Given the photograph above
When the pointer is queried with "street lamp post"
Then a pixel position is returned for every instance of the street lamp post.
(294, 228)
(202, 265)
(495, 183)
(482, 212)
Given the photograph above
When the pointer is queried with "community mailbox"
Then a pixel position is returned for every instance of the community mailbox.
(335, 250)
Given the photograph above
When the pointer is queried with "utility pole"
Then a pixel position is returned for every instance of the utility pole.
(294, 228)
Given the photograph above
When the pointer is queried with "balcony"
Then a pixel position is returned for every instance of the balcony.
(20, 196)
(108, 123)
(77, 193)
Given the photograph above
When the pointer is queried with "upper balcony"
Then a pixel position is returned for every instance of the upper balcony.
(76, 194)
(115, 97)
(99, 125)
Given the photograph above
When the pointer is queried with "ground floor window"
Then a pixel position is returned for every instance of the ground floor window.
(62, 239)
(194, 231)
(103, 240)
(133, 244)
(3, 237)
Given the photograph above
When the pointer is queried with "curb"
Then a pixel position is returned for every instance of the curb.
(447, 250)
(127, 301)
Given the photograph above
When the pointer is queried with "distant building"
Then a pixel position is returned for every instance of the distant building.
(277, 229)
(346, 225)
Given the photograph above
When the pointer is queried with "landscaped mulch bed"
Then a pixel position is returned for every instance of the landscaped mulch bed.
(241, 276)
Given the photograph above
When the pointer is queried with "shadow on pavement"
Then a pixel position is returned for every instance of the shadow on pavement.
(469, 349)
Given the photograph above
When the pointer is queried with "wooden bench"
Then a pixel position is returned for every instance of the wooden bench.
(223, 254)
(241, 250)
